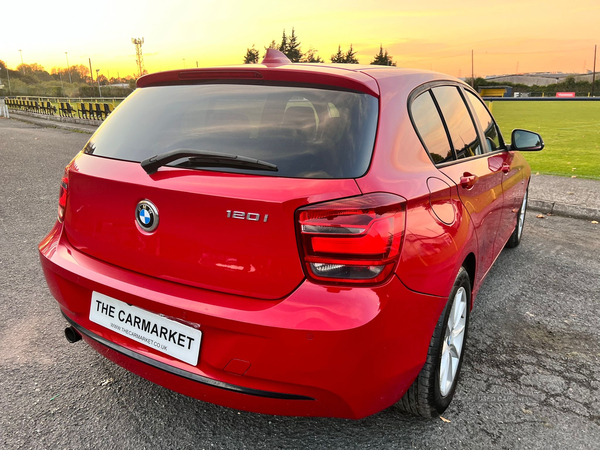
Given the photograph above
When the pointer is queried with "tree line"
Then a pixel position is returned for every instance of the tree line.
(290, 46)
(75, 81)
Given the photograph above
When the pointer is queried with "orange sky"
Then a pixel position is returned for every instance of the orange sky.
(548, 35)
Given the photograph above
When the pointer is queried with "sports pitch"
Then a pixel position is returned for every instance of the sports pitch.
(571, 132)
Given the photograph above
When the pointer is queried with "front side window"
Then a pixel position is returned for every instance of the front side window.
(458, 120)
(490, 129)
(431, 129)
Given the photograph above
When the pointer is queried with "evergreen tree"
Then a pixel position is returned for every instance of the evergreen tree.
(339, 57)
(251, 55)
(382, 58)
(293, 51)
(350, 57)
(312, 57)
(283, 47)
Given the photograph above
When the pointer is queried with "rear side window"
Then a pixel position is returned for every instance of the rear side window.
(431, 129)
(458, 120)
(490, 129)
(306, 132)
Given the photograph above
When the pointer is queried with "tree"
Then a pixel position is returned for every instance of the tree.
(283, 47)
(339, 57)
(251, 55)
(79, 73)
(344, 58)
(102, 80)
(293, 51)
(350, 57)
(382, 58)
(26, 69)
(311, 57)
(569, 82)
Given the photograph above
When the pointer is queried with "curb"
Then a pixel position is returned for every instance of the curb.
(562, 209)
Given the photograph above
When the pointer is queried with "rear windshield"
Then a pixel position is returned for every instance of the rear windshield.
(306, 132)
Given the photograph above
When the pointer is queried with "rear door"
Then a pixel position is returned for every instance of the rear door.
(512, 186)
(476, 173)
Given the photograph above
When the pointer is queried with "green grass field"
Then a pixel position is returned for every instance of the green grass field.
(571, 132)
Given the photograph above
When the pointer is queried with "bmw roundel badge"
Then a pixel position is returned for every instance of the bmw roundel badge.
(146, 215)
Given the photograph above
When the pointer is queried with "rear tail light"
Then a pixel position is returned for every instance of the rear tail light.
(62, 198)
(352, 241)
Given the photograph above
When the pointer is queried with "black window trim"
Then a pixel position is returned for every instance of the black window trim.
(479, 127)
(428, 87)
(474, 122)
(441, 117)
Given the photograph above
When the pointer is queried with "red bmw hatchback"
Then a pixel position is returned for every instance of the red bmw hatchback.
(293, 239)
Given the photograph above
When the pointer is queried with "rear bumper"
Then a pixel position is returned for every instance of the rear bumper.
(318, 352)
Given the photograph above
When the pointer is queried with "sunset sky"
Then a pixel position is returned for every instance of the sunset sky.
(507, 37)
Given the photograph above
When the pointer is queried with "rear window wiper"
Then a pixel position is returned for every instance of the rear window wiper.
(201, 158)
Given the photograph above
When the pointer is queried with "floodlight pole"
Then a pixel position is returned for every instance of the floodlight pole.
(472, 71)
(594, 73)
(68, 68)
(8, 75)
(91, 72)
(98, 80)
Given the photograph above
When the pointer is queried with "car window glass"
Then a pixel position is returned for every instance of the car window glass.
(462, 130)
(306, 132)
(490, 129)
(431, 129)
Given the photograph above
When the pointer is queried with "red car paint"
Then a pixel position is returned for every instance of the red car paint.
(276, 339)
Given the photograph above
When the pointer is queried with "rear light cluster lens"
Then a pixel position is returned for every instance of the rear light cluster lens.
(354, 240)
(62, 198)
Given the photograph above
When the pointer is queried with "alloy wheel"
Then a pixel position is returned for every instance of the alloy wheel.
(453, 341)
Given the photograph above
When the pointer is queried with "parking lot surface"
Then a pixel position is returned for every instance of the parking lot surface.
(531, 378)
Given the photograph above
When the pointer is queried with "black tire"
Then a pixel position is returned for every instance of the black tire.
(424, 398)
(515, 237)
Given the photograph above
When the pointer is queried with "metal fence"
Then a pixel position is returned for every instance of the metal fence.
(57, 100)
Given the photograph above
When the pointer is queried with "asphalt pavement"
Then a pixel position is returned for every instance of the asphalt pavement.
(531, 377)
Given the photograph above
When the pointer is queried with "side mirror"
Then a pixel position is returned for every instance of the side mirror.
(524, 140)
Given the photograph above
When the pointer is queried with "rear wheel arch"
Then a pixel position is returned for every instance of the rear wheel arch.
(426, 397)
(470, 264)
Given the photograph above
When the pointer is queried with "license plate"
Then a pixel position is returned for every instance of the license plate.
(155, 331)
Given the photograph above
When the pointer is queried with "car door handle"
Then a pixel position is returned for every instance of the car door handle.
(468, 180)
(505, 168)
